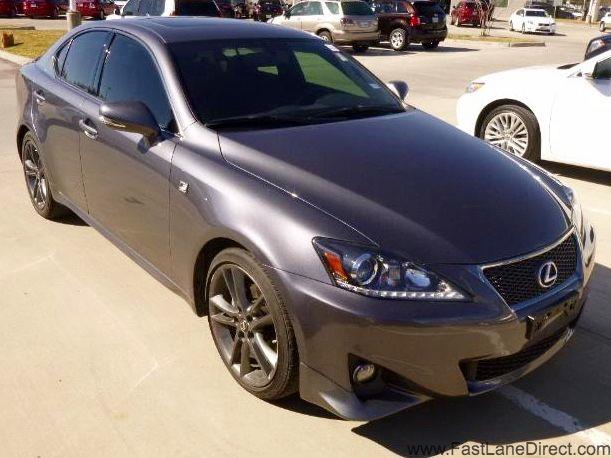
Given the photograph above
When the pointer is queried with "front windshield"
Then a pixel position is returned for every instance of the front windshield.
(540, 13)
(302, 79)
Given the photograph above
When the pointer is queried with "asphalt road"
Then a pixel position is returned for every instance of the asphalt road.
(99, 359)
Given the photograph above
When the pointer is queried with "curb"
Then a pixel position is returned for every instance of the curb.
(527, 44)
(19, 60)
(496, 44)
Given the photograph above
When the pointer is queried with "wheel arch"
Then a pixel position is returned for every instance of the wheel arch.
(202, 265)
(23, 129)
(324, 29)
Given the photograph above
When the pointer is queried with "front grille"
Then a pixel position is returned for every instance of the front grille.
(518, 281)
(486, 369)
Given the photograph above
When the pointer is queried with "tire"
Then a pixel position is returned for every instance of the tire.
(245, 345)
(491, 129)
(602, 26)
(510, 26)
(360, 47)
(36, 180)
(326, 36)
(399, 39)
(429, 45)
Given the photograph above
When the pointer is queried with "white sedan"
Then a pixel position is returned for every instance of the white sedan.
(532, 20)
(560, 114)
(605, 22)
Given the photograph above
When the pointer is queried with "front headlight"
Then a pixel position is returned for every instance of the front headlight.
(368, 271)
(474, 86)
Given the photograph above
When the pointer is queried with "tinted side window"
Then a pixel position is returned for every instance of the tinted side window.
(131, 8)
(82, 59)
(61, 57)
(299, 9)
(130, 74)
(603, 69)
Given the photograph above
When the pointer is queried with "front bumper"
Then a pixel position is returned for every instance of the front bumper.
(538, 28)
(418, 348)
(343, 36)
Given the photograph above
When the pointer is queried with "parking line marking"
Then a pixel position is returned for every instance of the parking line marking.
(553, 416)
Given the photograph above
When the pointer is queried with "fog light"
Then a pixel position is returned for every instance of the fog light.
(364, 373)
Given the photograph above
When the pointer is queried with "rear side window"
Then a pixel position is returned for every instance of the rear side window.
(427, 8)
(130, 74)
(356, 9)
(333, 7)
(60, 57)
(81, 62)
(313, 9)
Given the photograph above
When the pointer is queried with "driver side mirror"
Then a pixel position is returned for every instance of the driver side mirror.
(130, 117)
(400, 88)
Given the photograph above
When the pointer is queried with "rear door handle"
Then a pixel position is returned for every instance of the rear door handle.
(88, 129)
(39, 96)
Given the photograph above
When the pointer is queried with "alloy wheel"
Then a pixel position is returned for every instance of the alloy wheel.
(35, 175)
(508, 131)
(397, 39)
(243, 326)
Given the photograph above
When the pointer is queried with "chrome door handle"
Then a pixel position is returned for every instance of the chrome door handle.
(39, 96)
(88, 130)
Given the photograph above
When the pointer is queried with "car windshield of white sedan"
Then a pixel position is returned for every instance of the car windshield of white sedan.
(537, 14)
(258, 83)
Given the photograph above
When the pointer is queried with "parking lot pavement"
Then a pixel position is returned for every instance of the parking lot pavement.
(98, 359)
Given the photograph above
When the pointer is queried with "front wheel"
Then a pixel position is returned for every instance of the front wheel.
(360, 47)
(513, 129)
(603, 26)
(250, 326)
(398, 39)
(430, 45)
(326, 36)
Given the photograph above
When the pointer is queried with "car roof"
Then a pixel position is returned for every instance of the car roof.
(534, 9)
(183, 28)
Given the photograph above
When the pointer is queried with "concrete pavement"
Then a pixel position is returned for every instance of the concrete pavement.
(99, 359)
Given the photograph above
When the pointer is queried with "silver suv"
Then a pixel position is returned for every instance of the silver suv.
(348, 22)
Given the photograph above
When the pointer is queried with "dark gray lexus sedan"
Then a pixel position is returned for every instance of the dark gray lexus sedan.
(342, 243)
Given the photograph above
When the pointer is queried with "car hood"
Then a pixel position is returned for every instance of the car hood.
(410, 183)
(543, 74)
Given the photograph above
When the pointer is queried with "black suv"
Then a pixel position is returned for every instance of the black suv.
(403, 22)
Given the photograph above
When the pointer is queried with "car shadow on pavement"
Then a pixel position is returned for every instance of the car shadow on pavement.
(578, 173)
(383, 49)
(71, 219)
(574, 385)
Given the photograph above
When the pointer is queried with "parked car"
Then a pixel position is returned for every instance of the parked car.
(605, 22)
(97, 9)
(264, 10)
(226, 8)
(134, 8)
(548, 7)
(8, 8)
(429, 24)
(469, 12)
(347, 22)
(44, 8)
(598, 46)
(532, 20)
(557, 114)
(341, 243)
(394, 17)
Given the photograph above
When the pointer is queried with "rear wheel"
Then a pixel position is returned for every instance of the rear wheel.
(36, 180)
(430, 45)
(513, 129)
(602, 26)
(326, 36)
(398, 39)
(360, 47)
(250, 326)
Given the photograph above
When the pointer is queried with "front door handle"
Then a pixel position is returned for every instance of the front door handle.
(39, 96)
(88, 129)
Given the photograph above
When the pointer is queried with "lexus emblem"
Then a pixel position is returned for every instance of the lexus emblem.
(548, 274)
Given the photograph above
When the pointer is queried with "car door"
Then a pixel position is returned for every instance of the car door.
(295, 16)
(56, 111)
(518, 20)
(580, 116)
(312, 17)
(125, 176)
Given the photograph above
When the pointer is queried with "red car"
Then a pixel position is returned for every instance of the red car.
(472, 13)
(8, 8)
(97, 9)
(44, 8)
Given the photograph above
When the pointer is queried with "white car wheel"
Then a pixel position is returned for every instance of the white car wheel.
(508, 131)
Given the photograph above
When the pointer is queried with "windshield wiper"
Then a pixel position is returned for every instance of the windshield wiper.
(256, 121)
(357, 111)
